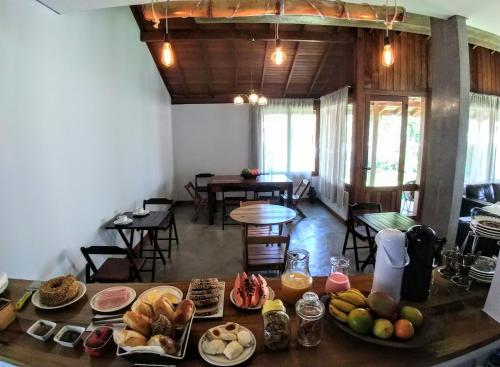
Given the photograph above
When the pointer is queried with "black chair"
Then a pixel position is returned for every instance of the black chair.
(230, 202)
(200, 181)
(358, 230)
(167, 225)
(113, 269)
(267, 193)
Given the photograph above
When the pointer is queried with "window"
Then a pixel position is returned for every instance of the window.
(289, 139)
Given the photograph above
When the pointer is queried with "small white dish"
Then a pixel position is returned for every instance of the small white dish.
(35, 299)
(140, 213)
(80, 330)
(48, 334)
(151, 294)
(123, 222)
(4, 282)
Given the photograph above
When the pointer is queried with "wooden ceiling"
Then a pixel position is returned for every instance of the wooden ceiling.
(215, 62)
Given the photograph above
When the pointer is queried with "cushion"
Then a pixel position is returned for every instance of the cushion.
(480, 192)
(496, 191)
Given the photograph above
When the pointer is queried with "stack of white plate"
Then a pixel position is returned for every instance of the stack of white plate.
(483, 269)
(486, 226)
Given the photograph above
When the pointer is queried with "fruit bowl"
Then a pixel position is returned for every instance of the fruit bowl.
(425, 334)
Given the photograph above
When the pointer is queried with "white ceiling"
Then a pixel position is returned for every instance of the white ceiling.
(481, 14)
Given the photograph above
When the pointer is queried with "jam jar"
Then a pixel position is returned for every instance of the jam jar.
(276, 325)
(310, 311)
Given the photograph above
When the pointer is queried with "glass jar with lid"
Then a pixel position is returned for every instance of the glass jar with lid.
(296, 279)
(310, 311)
(277, 329)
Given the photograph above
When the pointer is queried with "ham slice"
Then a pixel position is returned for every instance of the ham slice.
(112, 298)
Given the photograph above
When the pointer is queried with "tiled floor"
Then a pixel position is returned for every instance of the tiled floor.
(206, 250)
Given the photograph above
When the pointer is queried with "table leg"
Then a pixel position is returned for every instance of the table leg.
(289, 195)
(373, 249)
(211, 206)
(126, 240)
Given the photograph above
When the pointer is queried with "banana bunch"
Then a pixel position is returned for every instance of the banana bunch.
(341, 303)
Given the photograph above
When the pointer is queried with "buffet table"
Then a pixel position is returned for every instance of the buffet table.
(461, 327)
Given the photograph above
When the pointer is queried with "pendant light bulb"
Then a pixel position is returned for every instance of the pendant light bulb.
(167, 54)
(262, 101)
(278, 56)
(387, 53)
(238, 100)
(253, 98)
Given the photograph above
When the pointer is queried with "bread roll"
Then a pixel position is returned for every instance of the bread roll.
(233, 350)
(245, 338)
(161, 325)
(213, 347)
(168, 344)
(162, 306)
(129, 338)
(138, 322)
(183, 312)
(143, 308)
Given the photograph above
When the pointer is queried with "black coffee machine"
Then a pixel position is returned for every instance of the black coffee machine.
(421, 241)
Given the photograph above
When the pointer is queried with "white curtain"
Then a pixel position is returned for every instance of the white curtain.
(483, 140)
(283, 137)
(332, 146)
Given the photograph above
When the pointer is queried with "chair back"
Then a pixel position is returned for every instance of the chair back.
(195, 195)
(203, 179)
(362, 208)
(253, 202)
(106, 250)
(158, 201)
(302, 188)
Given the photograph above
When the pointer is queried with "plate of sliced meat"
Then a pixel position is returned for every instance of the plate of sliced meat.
(208, 297)
(112, 299)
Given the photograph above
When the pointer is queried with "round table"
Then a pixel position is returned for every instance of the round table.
(263, 214)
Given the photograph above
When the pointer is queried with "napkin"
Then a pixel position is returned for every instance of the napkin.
(493, 209)
(492, 305)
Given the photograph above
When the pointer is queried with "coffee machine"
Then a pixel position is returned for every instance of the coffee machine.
(417, 276)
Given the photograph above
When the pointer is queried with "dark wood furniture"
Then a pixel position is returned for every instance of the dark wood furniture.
(152, 223)
(298, 194)
(200, 181)
(359, 230)
(380, 221)
(113, 269)
(462, 327)
(219, 183)
(265, 250)
(169, 224)
(200, 203)
(231, 198)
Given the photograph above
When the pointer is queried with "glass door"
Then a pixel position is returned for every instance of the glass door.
(393, 151)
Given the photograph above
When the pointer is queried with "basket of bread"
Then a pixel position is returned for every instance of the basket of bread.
(157, 331)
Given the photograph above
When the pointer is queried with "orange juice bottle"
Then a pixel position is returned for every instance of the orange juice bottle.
(296, 280)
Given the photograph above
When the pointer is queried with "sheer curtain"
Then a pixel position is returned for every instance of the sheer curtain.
(332, 146)
(483, 139)
(283, 135)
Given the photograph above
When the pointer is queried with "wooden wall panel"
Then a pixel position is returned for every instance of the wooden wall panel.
(484, 70)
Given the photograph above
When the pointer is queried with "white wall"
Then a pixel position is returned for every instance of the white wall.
(210, 138)
(85, 132)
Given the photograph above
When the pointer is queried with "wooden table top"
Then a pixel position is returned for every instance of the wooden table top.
(380, 221)
(463, 327)
(237, 179)
(153, 220)
(263, 214)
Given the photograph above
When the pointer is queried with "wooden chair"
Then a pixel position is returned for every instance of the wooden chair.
(297, 196)
(358, 230)
(200, 203)
(202, 178)
(266, 193)
(230, 202)
(113, 269)
(260, 253)
(167, 225)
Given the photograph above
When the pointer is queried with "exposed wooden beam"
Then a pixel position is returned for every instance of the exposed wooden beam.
(324, 57)
(237, 34)
(290, 73)
(205, 56)
(263, 73)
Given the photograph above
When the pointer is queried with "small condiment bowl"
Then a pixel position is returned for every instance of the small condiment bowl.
(52, 327)
(104, 343)
(78, 329)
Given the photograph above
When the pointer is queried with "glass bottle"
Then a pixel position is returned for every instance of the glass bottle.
(277, 329)
(310, 311)
(338, 280)
(296, 279)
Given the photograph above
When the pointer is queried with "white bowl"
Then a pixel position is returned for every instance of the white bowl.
(52, 325)
(80, 330)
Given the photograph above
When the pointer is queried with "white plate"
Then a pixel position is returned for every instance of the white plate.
(155, 292)
(141, 214)
(130, 299)
(219, 306)
(4, 282)
(484, 281)
(123, 223)
(271, 297)
(35, 299)
(221, 360)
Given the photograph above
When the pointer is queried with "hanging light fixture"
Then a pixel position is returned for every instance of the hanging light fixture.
(167, 53)
(253, 98)
(388, 52)
(278, 56)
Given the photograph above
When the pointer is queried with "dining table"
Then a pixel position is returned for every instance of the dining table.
(263, 214)
(151, 223)
(460, 326)
(379, 221)
(221, 183)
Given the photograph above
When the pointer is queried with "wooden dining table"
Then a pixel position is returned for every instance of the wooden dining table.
(380, 221)
(456, 315)
(263, 214)
(220, 183)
